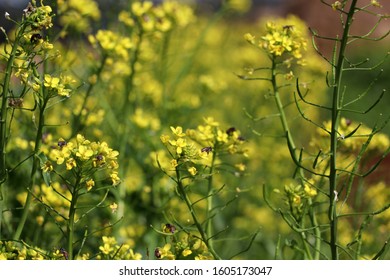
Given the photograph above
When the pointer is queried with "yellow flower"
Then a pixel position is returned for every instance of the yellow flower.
(192, 170)
(174, 163)
(311, 192)
(113, 207)
(250, 38)
(51, 82)
(222, 136)
(141, 8)
(164, 138)
(180, 144)
(186, 252)
(178, 131)
(210, 121)
(47, 167)
(241, 166)
(336, 5)
(115, 178)
(84, 152)
(90, 184)
(375, 3)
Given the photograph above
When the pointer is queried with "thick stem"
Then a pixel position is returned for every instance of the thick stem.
(336, 109)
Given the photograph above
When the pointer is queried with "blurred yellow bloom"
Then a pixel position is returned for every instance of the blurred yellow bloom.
(192, 170)
(90, 184)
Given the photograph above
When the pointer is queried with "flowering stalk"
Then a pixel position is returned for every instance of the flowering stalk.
(203, 233)
(336, 110)
(284, 45)
(34, 168)
(72, 212)
(4, 99)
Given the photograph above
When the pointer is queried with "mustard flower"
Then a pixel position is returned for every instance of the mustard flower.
(222, 136)
(141, 8)
(115, 178)
(282, 38)
(165, 252)
(186, 252)
(310, 191)
(113, 207)
(164, 138)
(174, 163)
(178, 131)
(179, 144)
(77, 14)
(376, 3)
(192, 170)
(336, 5)
(47, 167)
(250, 38)
(84, 152)
(210, 121)
(90, 184)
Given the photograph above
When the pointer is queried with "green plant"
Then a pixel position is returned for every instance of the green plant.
(326, 177)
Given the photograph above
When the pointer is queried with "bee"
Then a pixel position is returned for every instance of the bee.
(288, 27)
(35, 38)
(64, 253)
(15, 102)
(61, 143)
(169, 228)
(207, 150)
(230, 131)
(157, 253)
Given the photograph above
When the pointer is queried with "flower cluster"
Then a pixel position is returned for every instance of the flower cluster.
(162, 18)
(297, 195)
(85, 157)
(39, 17)
(77, 14)
(10, 250)
(201, 145)
(186, 248)
(112, 43)
(282, 38)
(111, 250)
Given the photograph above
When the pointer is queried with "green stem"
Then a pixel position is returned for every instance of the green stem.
(190, 207)
(71, 220)
(290, 141)
(78, 122)
(336, 109)
(4, 101)
(209, 225)
(34, 169)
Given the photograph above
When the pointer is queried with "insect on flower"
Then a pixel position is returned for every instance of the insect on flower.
(64, 253)
(207, 150)
(170, 228)
(157, 253)
(288, 27)
(61, 143)
(230, 131)
(35, 38)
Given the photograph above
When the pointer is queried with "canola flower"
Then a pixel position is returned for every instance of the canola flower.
(85, 158)
(77, 14)
(283, 38)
